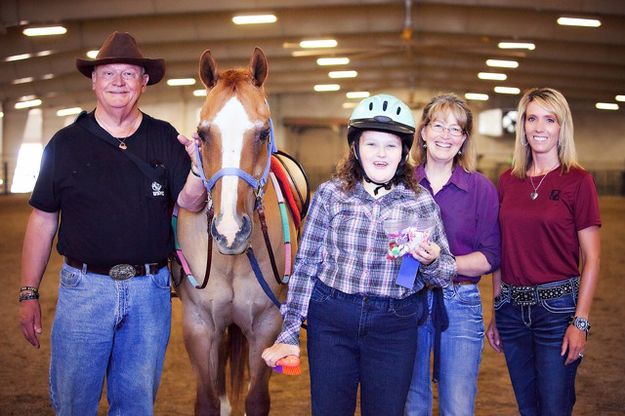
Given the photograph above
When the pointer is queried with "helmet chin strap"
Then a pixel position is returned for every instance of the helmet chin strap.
(386, 185)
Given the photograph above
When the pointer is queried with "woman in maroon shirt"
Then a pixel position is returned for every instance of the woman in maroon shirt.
(549, 214)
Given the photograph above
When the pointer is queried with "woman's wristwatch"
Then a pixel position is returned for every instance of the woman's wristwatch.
(580, 323)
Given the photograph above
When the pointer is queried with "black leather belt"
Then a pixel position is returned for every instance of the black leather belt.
(531, 295)
(119, 271)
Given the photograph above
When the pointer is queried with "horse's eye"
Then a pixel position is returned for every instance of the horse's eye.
(264, 134)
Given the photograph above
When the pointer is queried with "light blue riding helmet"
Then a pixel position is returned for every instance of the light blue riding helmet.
(386, 113)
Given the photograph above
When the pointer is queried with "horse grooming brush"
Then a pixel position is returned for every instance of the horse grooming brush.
(288, 365)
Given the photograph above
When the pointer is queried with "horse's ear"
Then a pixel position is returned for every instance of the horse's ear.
(208, 69)
(258, 66)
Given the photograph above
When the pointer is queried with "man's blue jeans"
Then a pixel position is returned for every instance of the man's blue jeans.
(461, 352)
(353, 340)
(532, 338)
(117, 329)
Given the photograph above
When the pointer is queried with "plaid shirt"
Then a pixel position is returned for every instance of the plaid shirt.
(344, 245)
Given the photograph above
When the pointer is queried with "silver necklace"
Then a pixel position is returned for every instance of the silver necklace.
(122, 143)
(534, 194)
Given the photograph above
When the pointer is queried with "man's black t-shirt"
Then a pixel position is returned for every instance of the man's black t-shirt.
(111, 212)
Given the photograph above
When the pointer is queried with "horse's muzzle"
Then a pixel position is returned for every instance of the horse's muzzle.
(231, 240)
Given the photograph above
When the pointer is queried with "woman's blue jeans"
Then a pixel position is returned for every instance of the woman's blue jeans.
(117, 329)
(532, 338)
(354, 340)
(460, 356)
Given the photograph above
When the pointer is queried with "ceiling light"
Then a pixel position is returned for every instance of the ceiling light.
(92, 54)
(44, 53)
(19, 57)
(22, 80)
(44, 31)
(177, 82)
(327, 87)
(507, 90)
(502, 63)
(492, 76)
(47, 76)
(63, 112)
(343, 74)
(476, 96)
(357, 94)
(200, 93)
(516, 45)
(578, 21)
(620, 98)
(254, 19)
(607, 106)
(349, 104)
(27, 104)
(332, 61)
(318, 43)
(1, 114)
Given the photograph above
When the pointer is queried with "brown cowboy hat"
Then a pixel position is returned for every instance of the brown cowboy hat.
(121, 48)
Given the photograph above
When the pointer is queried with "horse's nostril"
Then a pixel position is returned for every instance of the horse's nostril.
(246, 227)
(214, 233)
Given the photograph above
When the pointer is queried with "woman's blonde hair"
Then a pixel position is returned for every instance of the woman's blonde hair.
(554, 102)
(442, 105)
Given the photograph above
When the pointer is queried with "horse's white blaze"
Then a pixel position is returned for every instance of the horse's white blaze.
(233, 122)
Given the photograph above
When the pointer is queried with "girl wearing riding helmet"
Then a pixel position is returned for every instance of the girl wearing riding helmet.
(362, 325)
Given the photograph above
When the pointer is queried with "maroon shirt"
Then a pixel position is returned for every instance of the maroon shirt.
(539, 238)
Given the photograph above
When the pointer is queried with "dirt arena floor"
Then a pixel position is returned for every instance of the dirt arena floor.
(24, 370)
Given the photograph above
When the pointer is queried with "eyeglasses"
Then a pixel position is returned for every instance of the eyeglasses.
(127, 74)
(455, 131)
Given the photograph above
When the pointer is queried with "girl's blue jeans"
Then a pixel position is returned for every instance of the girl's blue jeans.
(360, 340)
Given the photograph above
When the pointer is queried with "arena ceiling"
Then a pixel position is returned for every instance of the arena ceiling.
(436, 44)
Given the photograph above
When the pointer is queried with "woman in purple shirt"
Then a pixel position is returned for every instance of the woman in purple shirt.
(468, 201)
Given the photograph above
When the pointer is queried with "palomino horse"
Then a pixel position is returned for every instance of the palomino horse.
(237, 142)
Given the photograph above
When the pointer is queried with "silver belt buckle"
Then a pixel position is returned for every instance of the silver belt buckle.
(524, 296)
(122, 272)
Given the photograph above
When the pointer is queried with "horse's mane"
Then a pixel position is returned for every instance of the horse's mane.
(231, 78)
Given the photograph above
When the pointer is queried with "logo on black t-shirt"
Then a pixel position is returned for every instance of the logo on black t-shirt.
(157, 189)
(554, 195)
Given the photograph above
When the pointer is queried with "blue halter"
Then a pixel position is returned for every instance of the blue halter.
(257, 184)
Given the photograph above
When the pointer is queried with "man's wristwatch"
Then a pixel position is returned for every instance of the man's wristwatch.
(580, 323)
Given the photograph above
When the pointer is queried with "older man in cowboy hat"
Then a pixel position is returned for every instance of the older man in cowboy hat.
(110, 178)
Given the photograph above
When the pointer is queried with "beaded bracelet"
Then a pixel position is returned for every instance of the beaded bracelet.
(28, 296)
(29, 288)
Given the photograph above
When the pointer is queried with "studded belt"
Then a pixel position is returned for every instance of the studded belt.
(119, 271)
(531, 295)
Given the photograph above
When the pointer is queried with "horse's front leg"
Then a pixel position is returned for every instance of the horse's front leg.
(202, 337)
(263, 334)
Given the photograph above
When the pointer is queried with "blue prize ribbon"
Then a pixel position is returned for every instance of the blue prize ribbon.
(408, 271)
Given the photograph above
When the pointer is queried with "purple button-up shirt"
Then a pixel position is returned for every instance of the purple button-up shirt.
(469, 207)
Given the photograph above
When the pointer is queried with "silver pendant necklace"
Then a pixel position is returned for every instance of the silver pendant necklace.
(122, 143)
(534, 193)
